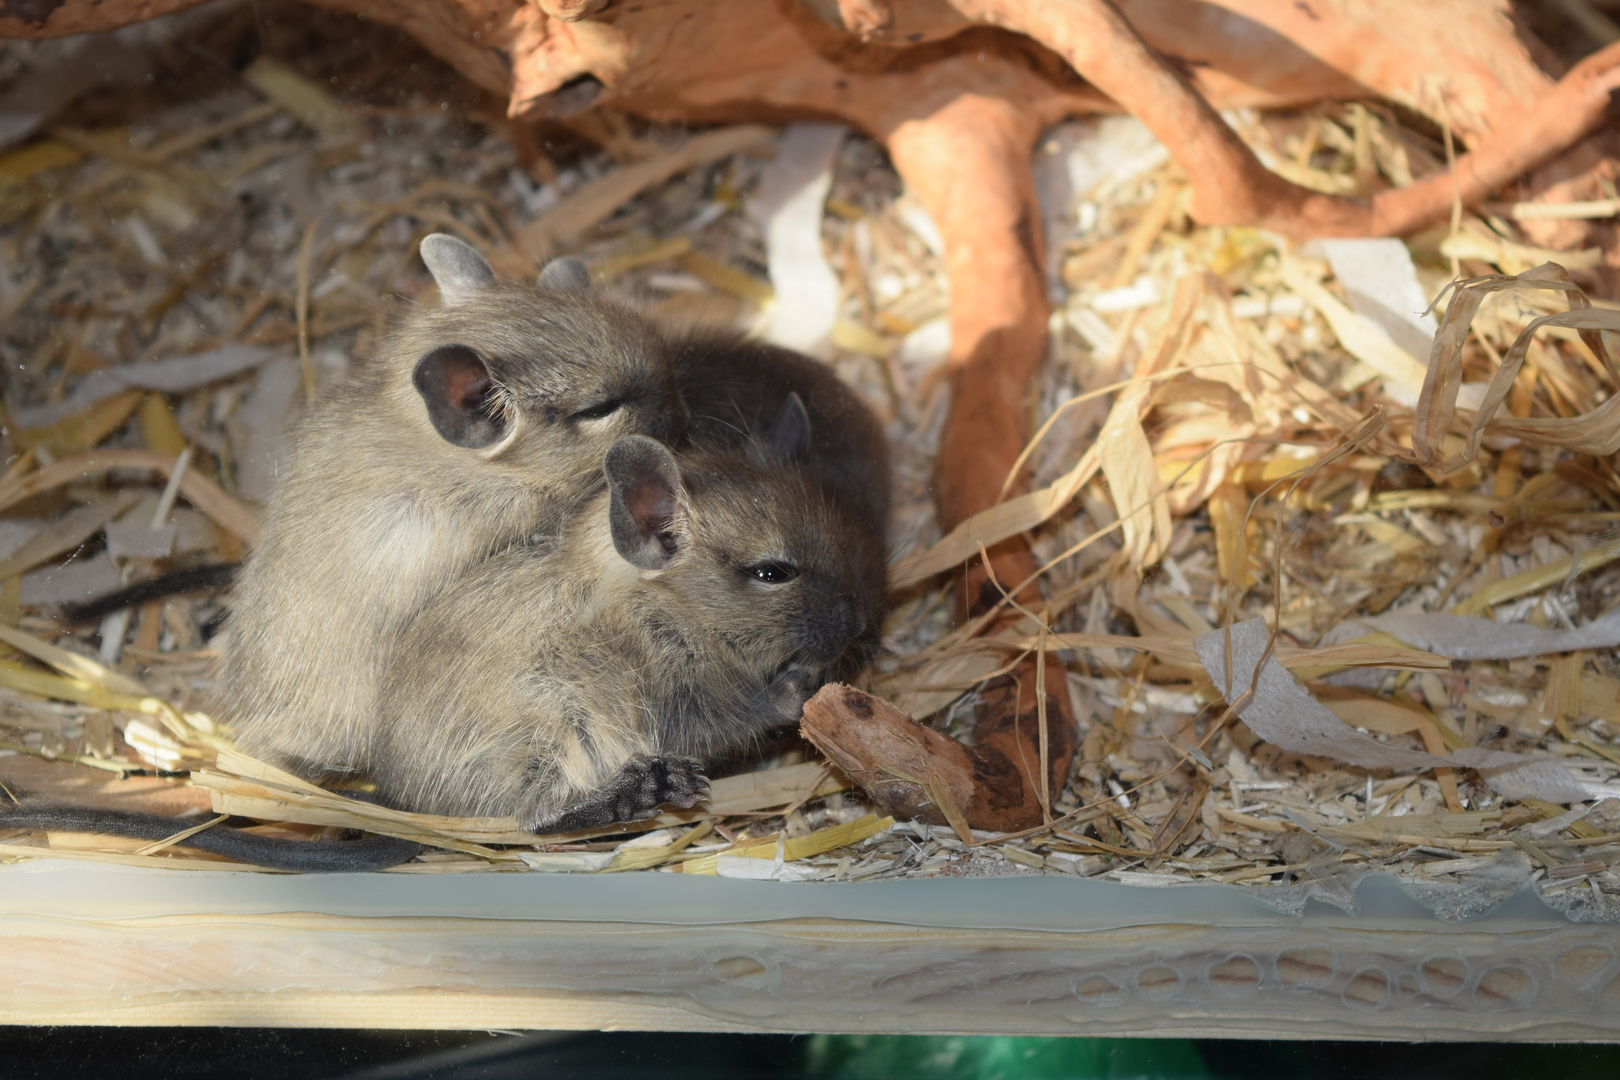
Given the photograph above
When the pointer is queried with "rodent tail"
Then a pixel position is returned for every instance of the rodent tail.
(306, 856)
(195, 579)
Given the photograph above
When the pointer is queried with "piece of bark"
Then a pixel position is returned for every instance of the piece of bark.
(902, 764)
(966, 162)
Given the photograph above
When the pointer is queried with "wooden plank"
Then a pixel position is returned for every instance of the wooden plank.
(1321, 977)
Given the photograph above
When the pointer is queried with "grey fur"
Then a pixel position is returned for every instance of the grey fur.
(555, 680)
(377, 513)
(459, 270)
(569, 687)
(566, 274)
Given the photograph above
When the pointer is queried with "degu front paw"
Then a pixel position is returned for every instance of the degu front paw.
(789, 689)
(646, 783)
(640, 787)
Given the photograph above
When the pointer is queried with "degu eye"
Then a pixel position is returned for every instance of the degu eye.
(773, 573)
(599, 410)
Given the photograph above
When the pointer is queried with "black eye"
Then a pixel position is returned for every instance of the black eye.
(599, 410)
(774, 573)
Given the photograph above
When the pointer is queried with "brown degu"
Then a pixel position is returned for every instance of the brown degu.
(742, 393)
(735, 388)
(480, 424)
(688, 609)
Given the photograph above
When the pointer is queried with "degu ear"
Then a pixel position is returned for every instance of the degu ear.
(461, 273)
(790, 435)
(644, 486)
(460, 395)
(565, 274)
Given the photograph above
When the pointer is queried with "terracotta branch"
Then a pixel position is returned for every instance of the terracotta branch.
(743, 59)
(1231, 187)
(1458, 61)
(1388, 48)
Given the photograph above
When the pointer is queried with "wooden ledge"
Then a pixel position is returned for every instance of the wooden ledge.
(112, 945)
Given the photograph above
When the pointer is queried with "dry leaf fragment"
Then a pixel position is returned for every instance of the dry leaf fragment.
(73, 582)
(989, 527)
(900, 763)
(1281, 711)
(196, 488)
(79, 431)
(1509, 256)
(1595, 432)
(1538, 578)
(798, 847)
(242, 785)
(1371, 346)
(1009, 518)
(172, 376)
(66, 533)
(1463, 638)
(304, 98)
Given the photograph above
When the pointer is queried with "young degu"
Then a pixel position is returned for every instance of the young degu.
(689, 608)
(735, 389)
(480, 424)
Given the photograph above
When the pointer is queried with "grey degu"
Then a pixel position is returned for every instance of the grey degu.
(688, 609)
(691, 606)
(479, 424)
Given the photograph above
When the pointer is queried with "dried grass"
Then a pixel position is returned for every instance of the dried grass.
(1217, 436)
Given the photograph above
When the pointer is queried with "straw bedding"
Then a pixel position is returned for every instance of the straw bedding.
(1218, 436)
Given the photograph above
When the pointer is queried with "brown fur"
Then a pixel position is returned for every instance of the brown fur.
(377, 512)
(549, 678)
(735, 388)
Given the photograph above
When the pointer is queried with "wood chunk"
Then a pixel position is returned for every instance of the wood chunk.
(900, 763)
